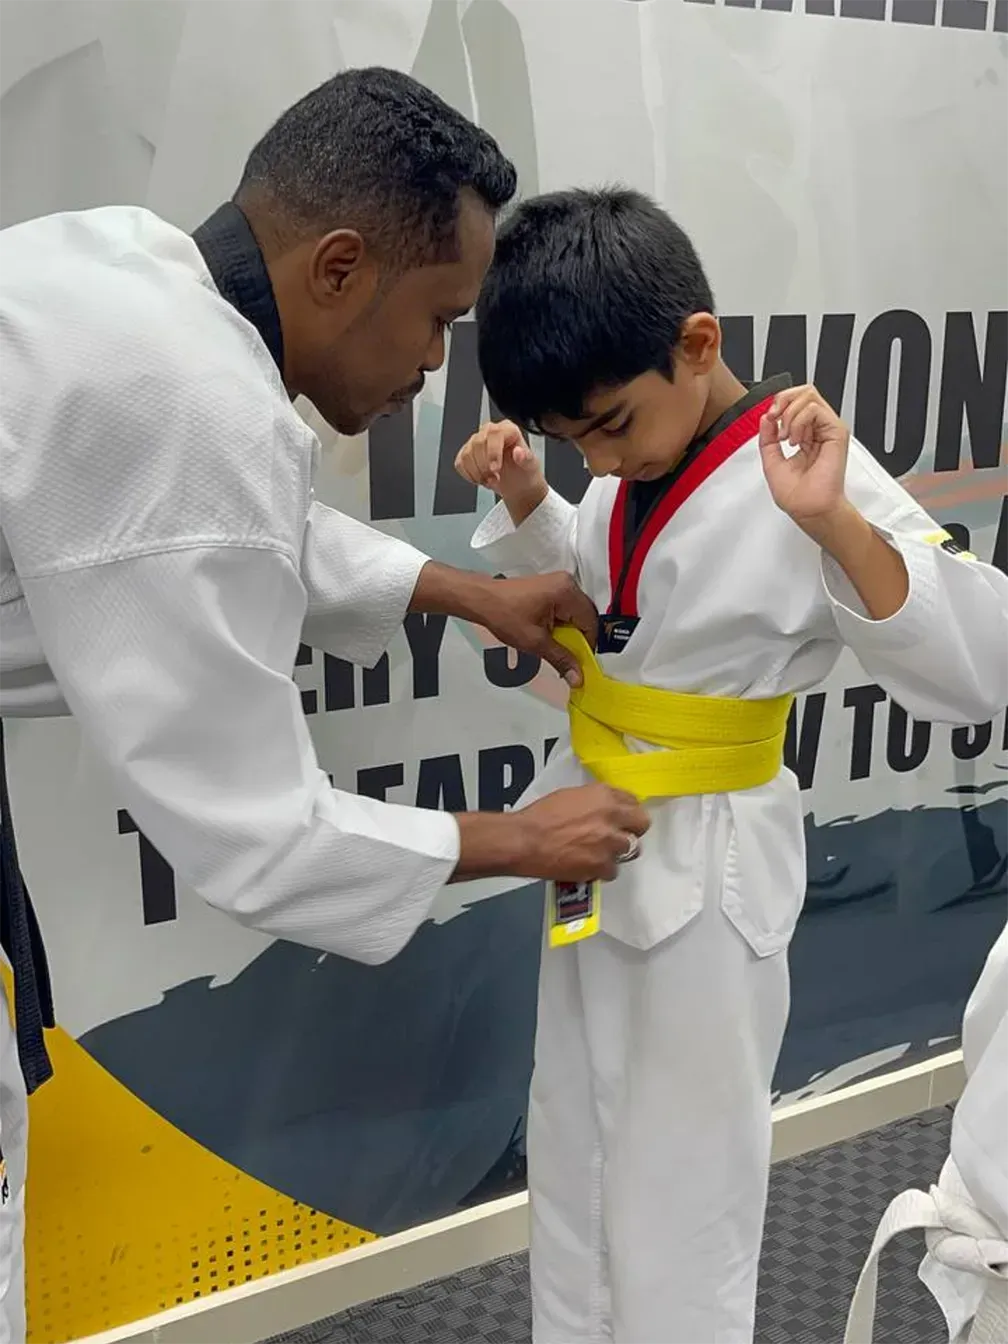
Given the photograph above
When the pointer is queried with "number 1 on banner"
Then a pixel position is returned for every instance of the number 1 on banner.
(574, 911)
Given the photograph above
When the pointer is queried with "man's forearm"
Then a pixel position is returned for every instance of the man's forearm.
(443, 591)
(876, 570)
(492, 844)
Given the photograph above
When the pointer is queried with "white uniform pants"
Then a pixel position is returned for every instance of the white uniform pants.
(649, 1136)
(13, 1135)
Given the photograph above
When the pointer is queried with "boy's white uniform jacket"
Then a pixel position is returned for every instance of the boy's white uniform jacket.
(735, 600)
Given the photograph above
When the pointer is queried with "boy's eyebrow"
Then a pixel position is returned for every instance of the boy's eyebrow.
(604, 419)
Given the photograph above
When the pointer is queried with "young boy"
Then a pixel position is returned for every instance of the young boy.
(734, 541)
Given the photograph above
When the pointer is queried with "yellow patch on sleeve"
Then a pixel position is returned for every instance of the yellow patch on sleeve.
(945, 542)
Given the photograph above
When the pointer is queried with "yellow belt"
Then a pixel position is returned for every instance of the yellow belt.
(711, 744)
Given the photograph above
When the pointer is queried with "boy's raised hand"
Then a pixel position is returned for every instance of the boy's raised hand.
(809, 483)
(498, 457)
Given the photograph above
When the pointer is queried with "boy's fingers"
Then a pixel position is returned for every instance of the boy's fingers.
(465, 466)
(803, 425)
(793, 409)
(769, 440)
(494, 448)
(788, 397)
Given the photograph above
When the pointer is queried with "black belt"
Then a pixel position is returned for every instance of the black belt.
(21, 939)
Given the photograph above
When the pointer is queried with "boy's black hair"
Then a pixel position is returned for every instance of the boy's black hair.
(587, 290)
(376, 151)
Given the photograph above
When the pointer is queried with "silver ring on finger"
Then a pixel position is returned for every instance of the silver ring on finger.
(632, 850)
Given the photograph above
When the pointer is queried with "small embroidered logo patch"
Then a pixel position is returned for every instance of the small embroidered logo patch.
(947, 543)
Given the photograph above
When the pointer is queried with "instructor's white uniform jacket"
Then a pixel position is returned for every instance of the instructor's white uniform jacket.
(162, 558)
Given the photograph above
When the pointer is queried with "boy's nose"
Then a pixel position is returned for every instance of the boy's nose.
(602, 463)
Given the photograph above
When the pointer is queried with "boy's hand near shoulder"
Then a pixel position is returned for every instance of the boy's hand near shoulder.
(808, 485)
(498, 457)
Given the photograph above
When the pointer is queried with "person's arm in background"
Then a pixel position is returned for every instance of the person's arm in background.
(929, 623)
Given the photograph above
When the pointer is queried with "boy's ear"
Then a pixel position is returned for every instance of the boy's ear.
(700, 342)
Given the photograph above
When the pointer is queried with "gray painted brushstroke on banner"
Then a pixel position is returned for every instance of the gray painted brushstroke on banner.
(503, 88)
(476, 61)
(441, 60)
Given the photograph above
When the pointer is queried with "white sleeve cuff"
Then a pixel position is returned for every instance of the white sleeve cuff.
(905, 627)
(360, 584)
(538, 545)
(392, 588)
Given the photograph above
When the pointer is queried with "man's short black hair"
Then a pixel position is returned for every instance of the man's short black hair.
(587, 290)
(375, 151)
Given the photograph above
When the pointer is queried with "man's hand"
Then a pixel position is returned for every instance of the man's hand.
(520, 612)
(523, 612)
(498, 457)
(574, 835)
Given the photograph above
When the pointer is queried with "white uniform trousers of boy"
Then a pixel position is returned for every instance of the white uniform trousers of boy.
(649, 1134)
(649, 1121)
(965, 1216)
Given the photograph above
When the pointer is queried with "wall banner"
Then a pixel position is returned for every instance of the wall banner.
(226, 1106)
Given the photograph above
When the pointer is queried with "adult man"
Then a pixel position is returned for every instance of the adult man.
(162, 556)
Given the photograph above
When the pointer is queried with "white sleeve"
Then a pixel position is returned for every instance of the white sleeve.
(545, 543)
(178, 666)
(944, 655)
(359, 584)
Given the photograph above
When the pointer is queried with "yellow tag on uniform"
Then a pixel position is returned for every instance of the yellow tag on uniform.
(947, 543)
(574, 911)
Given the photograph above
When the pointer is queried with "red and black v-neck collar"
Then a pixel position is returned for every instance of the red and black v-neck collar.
(642, 509)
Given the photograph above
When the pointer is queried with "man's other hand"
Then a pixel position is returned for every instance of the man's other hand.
(520, 612)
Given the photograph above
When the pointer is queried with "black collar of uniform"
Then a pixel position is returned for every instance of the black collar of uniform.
(643, 496)
(236, 264)
(756, 392)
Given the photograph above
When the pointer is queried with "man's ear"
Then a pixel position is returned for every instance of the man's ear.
(700, 342)
(340, 271)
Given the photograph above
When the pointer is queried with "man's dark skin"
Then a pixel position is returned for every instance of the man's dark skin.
(359, 337)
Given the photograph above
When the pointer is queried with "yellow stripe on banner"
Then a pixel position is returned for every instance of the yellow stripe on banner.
(127, 1216)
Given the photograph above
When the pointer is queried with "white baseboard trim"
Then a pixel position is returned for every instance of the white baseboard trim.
(297, 1297)
(819, 1121)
